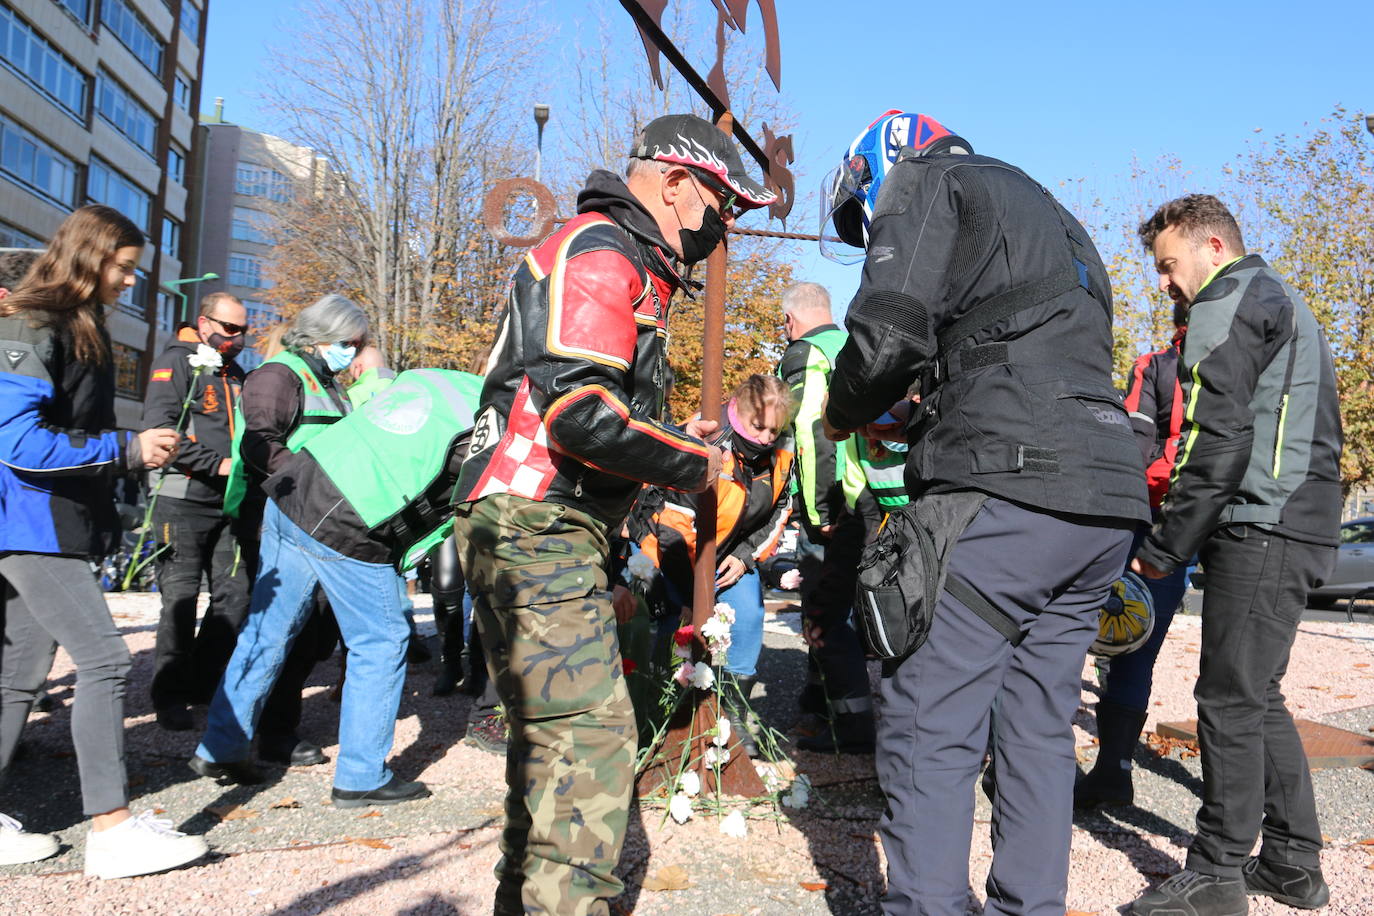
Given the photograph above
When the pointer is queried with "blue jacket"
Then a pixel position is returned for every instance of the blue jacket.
(59, 452)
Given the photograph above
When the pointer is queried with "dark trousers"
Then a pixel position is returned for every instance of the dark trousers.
(1254, 770)
(827, 594)
(187, 664)
(1050, 574)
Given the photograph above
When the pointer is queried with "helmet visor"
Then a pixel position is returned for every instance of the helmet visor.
(843, 235)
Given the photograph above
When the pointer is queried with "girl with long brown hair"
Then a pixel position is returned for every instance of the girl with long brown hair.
(59, 454)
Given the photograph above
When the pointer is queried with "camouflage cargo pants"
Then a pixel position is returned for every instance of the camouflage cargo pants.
(538, 571)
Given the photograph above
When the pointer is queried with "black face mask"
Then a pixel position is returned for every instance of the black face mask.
(698, 243)
(752, 452)
(228, 347)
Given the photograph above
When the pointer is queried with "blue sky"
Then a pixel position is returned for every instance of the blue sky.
(1066, 90)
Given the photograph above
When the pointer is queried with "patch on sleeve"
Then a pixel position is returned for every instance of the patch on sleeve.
(162, 375)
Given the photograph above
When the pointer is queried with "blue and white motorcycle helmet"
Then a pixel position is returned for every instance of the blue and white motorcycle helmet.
(850, 191)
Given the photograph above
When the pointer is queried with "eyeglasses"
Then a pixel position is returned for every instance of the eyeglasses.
(233, 329)
(356, 344)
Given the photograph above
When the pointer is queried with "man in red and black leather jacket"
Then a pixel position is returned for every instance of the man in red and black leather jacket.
(568, 430)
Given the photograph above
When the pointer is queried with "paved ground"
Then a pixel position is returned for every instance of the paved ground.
(283, 850)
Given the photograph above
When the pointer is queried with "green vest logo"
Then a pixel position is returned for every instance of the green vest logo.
(400, 410)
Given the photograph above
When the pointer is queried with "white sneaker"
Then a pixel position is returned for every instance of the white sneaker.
(140, 846)
(18, 847)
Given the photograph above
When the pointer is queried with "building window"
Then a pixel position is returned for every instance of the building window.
(81, 9)
(190, 20)
(250, 226)
(40, 63)
(166, 311)
(106, 186)
(171, 237)
(134, 33)
(176, 164)
(261, 315)
(260, 181)
(125, 113)
(133, 300)
(127, 376)
(181, 92)
(246, 270)
(36, 165)
(11, 237)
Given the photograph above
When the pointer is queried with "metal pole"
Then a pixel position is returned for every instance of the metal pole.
(712, 371)
(541, 117)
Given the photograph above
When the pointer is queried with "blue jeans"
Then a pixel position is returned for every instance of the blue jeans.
(367, 604)
(746, 634)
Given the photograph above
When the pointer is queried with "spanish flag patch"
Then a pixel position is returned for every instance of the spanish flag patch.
(162, 375)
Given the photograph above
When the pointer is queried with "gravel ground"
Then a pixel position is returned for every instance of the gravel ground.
(284, 850)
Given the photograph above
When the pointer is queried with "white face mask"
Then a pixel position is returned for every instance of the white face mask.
(338, 357)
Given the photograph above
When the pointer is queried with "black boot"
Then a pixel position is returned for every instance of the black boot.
(1109, 781)
(735, 706)
(451, 654)
(850, 732)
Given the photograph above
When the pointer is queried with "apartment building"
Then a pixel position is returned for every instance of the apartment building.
(96, 106)
(245, 174)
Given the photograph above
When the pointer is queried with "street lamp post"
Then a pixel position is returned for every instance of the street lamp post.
(171, 285)
(541, 117)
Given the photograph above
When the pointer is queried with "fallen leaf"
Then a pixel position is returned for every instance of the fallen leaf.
(370, 841)
(1367, 842)
(287, 802)
(371, 814)
(1079, 913)
(671, 878)
(1361, 665)
(813, 885)
(1345, 696)
(231, 812)
(159, 811)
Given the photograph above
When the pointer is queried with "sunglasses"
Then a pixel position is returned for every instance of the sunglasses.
(728, 198)
(233, 329)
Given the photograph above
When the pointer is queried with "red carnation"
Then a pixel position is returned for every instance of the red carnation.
(628, 664)
(683, 636)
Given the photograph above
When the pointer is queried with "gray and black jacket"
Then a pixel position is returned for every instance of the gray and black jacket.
(1261, 437)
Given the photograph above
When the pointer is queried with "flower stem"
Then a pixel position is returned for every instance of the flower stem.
(136, 562)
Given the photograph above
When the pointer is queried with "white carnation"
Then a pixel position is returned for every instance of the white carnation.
(205, 357)
(702, 677)
(690, 783)
(722, 737)
(734, 825)
(680, 808)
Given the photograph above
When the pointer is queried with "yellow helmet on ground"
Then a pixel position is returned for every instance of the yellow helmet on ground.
(1125, 619)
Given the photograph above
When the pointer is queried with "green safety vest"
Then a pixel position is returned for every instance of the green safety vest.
(885, 477)
(318, 411)
(368, 384)
(825, 348)
(386, 455)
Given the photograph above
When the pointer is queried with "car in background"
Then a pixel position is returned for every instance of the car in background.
(1354, 571)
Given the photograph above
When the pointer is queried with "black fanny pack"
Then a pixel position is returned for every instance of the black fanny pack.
(902, 573)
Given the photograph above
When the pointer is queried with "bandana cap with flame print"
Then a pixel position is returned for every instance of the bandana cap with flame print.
(688, 140)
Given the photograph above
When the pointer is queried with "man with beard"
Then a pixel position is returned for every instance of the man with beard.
(1257, 492)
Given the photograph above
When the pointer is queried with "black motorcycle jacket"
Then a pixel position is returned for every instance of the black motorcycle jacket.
(209, 429)
(573, 399)
(979, 284)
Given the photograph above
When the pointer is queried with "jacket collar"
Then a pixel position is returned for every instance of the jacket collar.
(606, 193)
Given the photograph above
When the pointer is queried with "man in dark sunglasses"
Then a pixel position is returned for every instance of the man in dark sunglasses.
(188, 518)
